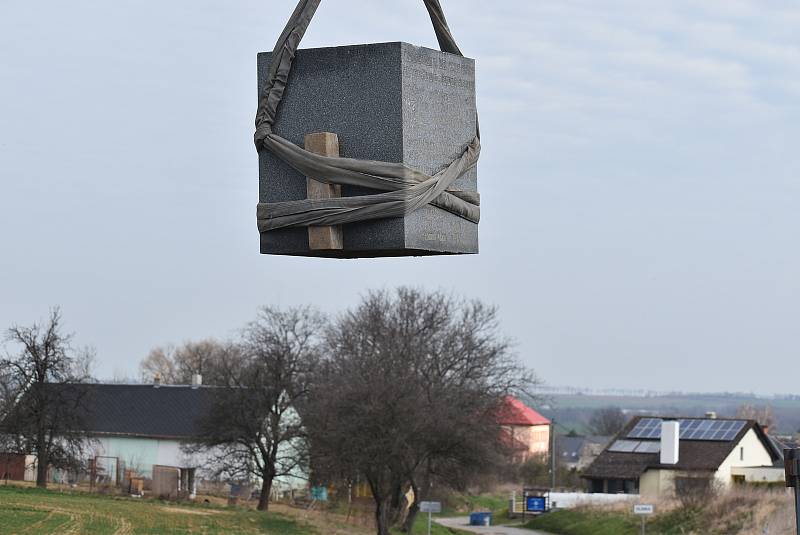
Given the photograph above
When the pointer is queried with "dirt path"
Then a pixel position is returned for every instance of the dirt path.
(462, 523)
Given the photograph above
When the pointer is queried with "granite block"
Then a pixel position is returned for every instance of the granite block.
(393, 102)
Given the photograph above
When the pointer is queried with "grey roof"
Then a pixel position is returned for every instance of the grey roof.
(572, 445)
(695, 455)
(150, 411)
(781, 443)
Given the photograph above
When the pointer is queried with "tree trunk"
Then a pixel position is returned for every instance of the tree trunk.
(41, 469)
(397, 506)
(408, 524)
(266, 489)
(382, 507)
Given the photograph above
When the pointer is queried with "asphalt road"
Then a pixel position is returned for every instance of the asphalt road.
(462, 523)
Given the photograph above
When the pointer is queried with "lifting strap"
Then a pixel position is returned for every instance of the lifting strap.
(404, 189)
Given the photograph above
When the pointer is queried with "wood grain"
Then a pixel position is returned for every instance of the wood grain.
(323, 238)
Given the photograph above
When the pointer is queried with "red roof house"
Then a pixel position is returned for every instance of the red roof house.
(528, 430)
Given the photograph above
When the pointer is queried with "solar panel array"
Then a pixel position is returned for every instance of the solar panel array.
(624, 446)
(691, 429)
(635, 446)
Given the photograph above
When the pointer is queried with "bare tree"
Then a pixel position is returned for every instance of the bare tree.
(607, 421)
(205, 357)
(764, 415)
(9, 392)
(45, 416)
(177, 365)
(406, 397)
(159, 363)
(254, 429)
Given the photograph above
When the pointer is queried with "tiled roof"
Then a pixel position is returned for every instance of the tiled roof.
(695, 455)
(164, 411)
(572, 445)
(515, 412)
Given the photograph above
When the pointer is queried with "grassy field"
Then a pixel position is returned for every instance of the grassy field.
(36, 511)
(739, 512)
(592, 522)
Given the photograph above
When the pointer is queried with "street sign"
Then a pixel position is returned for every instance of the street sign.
(643, 510)
(430, 507)
(535, 504)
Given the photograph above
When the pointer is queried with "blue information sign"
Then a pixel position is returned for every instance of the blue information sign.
(535, 504)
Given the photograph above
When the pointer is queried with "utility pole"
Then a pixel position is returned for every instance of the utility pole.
(553, 454)
(791, 461)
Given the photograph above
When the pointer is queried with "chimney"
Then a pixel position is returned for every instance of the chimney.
(670, 441)
(157, 380)
(711, 415)
(197, 380)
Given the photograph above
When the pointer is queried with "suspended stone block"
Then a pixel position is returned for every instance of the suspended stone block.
(392, 102)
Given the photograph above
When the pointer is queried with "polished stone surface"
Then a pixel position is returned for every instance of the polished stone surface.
(392, 102)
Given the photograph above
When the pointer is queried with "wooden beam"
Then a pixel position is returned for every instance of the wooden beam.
(323, 238)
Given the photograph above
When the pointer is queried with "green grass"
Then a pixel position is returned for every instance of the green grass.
(421, 528)
(581, 522)
(593, 522)
(461, 504)
(24, 510)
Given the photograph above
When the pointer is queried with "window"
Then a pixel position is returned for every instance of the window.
(741, 453)
(623, 486)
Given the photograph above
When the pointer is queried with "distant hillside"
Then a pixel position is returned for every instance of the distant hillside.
(572, 408)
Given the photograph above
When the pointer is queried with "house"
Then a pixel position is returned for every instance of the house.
(145, 425)
(660, 456)
(141, 432)
(529, 431)
(133, 431)
(576, 452)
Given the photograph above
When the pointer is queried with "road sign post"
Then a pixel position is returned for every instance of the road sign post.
(430, 508)
(643, 510)
(791, 465)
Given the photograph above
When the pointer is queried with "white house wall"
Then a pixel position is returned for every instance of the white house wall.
(656, 482)
(140, 454)
(749, 452)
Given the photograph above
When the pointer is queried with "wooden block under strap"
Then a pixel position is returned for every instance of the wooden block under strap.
(323, 238)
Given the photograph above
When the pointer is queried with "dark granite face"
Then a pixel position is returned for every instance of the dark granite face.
(392, 102)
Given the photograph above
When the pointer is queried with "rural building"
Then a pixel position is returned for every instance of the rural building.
(145, 425)
(577, 452)
(659, 456)
(528, 430)
(17, 467)
(133, 432)
(138, 432)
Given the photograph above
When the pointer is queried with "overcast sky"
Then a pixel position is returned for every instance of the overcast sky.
(640, 180)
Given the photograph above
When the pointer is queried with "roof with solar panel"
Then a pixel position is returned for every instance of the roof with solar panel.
(704, 445)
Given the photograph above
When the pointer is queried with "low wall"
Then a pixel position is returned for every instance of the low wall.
(568, 500)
